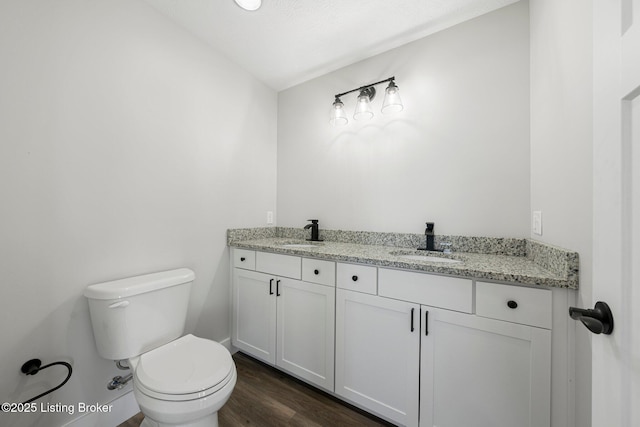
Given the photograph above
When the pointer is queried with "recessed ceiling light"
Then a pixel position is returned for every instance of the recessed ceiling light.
(249, 4)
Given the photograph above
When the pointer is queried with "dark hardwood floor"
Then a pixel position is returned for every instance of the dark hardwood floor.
(266, 397)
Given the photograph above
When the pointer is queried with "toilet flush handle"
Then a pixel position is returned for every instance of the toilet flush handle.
(119, 304)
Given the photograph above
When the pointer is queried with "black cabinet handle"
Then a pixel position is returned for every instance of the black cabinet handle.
(271, 287)
(598, 320)
(277, 288)
(354, 278)
(412, 328)
(512, 304)
(426, 323)
(242, 259)
(316, 272)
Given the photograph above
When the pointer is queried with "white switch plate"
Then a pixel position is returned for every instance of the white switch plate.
(537, 223)
(269, 217)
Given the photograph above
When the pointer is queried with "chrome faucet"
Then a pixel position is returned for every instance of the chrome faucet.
(315, 232)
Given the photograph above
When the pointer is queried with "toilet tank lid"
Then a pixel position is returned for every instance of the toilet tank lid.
(130, 286)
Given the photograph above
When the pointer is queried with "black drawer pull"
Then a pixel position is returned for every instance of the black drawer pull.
(277, 288)
(426, 323)
(242, 259)
(512, 304)
(354, 278)
(316, 272)
(412, 328)
(270, 286)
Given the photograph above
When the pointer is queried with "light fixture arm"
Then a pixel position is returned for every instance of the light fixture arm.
(366, 87)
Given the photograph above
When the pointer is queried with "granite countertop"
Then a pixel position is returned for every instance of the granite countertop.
(532, 264)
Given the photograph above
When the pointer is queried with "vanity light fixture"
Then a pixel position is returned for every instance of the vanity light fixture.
(249, 4)
(391, 104)
(338, 115)
(363, 105)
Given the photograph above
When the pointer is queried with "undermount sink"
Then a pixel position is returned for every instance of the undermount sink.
(300, 245)
(425, 257)
(429, 258)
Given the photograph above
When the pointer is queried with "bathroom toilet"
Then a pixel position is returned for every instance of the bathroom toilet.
(177, 380)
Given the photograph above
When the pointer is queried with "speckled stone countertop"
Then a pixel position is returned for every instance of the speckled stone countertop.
(522, 261)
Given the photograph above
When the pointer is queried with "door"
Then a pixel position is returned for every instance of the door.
(377, 354)
(616, 187)
(254, 314)
(305, 338)
(499, 372)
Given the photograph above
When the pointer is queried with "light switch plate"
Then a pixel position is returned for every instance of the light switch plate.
(269, 217)
(537, 223)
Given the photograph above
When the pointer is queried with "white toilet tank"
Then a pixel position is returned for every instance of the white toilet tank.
(134, 315)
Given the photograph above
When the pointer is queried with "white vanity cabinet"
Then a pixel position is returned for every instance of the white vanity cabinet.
(417, 349)
(285, 321)
(491, 368)
(482, 372)
(378, 354)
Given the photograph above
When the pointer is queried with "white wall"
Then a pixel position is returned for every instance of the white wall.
(561, 144)
(126, 146)
(458, 154)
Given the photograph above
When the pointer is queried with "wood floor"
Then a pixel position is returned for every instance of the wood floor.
(266, 397)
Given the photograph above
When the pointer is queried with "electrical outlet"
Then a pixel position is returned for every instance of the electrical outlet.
(269, 217)
(537, 223)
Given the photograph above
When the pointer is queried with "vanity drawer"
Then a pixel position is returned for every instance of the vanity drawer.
(451, 293)
(317, 271)
(528, 306)
(279, 265)
(243, 258)
(360, 278)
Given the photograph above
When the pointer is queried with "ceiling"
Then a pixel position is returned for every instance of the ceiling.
(287, 42)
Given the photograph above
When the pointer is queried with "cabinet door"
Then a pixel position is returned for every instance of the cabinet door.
(305, 339)
(254, 314)
(377, 355)
(483, 372)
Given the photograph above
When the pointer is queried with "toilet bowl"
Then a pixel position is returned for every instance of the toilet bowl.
(178, 380)
(183, 383)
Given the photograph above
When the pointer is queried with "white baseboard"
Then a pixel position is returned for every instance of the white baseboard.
(122, 408)
(227, 343)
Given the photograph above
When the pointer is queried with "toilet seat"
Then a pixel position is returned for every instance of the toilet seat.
(185, 369)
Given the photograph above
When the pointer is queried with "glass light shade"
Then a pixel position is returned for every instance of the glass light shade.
(338, 115)
(249, 4)
(392, 102)
(363, 107)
